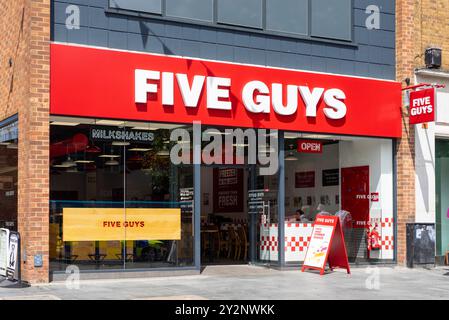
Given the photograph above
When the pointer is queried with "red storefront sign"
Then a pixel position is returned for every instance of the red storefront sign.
(310, 146)
(101, 83)
(422, 106)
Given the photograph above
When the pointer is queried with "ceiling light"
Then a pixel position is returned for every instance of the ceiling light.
(166, 126)
(292, 135)
(120, 143)
(109, 156)
(140, 149)
(112, 163)
(216, 133)
(12, 146)
(110, 123)
(84, 161)
(69, 162)
(60, 166)
(144, 128)
(66, 120)
(66, 124)
(163, 153)
(291, 157)
(5, 143)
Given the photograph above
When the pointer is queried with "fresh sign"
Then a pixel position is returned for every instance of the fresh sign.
(422, 106)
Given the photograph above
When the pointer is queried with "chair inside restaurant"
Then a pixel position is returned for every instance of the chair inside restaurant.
(224, 216)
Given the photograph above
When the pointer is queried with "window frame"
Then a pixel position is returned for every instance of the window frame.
(322, 37)
(224, 26)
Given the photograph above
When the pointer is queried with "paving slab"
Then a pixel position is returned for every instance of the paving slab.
(252, 282)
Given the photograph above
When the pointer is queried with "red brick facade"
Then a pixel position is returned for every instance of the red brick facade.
(24, 89)
(405, 146)
(419, 25)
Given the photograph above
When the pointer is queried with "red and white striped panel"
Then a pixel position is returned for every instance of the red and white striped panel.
(387, 223)
(387, 238)
(269, 242)
(297, 238)
(387, 243)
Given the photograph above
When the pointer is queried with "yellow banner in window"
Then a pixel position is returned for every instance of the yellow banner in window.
(106, 224)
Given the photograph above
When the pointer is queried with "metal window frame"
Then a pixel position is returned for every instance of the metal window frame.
(224, 26)
(352, 31)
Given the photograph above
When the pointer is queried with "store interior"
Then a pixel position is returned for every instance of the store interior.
(91, 170)
(8, 183)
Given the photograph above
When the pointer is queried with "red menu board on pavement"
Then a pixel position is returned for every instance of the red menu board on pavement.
(327, 245)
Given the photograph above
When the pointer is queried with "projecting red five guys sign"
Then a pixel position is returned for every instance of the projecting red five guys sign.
(422, 106)
(113, 84)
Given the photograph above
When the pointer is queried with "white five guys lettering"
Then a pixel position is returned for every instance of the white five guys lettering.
(257, 96)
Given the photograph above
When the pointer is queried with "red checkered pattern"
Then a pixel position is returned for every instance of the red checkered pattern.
(266, 225)
(294, 244)
(298, 225)
(387, 222)
(387, 243)
(269, 243)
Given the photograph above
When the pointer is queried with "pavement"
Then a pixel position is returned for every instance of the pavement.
(244, 282)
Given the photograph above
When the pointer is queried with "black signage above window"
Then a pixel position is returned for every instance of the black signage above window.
(331, 178)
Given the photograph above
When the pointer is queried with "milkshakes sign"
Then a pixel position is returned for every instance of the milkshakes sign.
(100, 83)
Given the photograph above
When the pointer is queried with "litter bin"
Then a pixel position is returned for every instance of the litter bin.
(420, 244)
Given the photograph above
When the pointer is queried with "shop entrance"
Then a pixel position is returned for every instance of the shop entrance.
(238, 215)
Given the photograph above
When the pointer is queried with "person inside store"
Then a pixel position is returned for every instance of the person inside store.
(299, 216)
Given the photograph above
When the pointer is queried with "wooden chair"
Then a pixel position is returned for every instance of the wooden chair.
(244, 244)
(224, 242)
(234, 243)
(206, 240)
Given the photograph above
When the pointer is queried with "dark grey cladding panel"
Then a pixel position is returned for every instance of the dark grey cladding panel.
(373, 54)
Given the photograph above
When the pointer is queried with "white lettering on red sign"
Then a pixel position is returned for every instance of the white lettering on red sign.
(257, 96)
(422, 106)
(310, 146)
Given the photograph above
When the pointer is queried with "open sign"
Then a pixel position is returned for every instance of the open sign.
(310, 146)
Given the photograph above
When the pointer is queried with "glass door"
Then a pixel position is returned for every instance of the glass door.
(442, 196)
(263, 218)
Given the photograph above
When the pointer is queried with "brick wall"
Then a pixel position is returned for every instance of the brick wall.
(419, 24)
(24, 89)
(405, 55)
(434, 29)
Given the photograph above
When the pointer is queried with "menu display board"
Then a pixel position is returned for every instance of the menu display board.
(12, 270)
(331, 177)
(327, 245)
(305, 179)
(4, 240)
